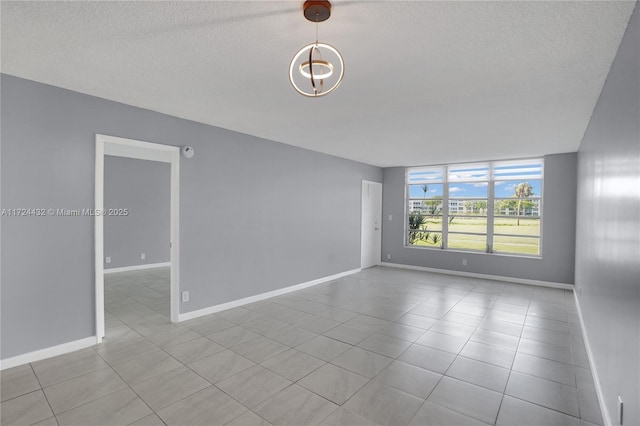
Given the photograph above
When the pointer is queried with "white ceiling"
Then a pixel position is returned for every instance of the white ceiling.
(425, 82)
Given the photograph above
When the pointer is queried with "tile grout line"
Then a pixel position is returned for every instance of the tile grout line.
(531, 402)
(442, 376)
(130, 388)
(43, 392)
(458, 355)
(190, 369)
(512, 362)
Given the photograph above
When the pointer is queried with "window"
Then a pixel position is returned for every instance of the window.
(517, 206)
(425, 186)
(467, 215)
(493, 207)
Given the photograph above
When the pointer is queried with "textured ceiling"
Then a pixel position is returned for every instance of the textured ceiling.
(425, 82)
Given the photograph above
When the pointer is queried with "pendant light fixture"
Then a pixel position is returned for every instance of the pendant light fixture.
(316, 69)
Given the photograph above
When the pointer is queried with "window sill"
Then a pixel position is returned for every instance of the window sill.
(475, 252)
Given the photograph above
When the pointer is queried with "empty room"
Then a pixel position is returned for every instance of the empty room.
(320, 213)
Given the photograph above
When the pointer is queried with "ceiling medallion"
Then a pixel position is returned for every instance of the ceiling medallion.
(316, 69)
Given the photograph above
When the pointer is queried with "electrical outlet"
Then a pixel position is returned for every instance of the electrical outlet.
(464, 262)
(185, 296)
(390, 217)
(388, 256)
(108, 259)
(143, 256)
(620, 410)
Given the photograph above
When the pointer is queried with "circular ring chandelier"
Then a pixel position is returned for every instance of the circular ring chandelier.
(318, 68)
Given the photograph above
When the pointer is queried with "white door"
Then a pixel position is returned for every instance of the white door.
(371, 223)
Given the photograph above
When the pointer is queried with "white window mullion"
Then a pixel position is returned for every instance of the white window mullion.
(407, 207)
(445, 213)
(490, 210)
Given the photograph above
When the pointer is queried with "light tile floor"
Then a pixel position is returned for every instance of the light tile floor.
(381, 347)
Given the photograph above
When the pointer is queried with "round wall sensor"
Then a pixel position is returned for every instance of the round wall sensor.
(187, 151)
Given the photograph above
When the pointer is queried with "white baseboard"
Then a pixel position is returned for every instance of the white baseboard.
(137, 267)
(47, 352)
(606, 417)
(258, 297)
(483, 276)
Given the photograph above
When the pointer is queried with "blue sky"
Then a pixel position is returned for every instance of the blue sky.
(470, 190)
(515, 172)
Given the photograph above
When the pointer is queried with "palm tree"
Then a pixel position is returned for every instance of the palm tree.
(425, 189)
(522, 190)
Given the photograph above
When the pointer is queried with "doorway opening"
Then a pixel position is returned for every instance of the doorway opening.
(136, 244)
(160, 273)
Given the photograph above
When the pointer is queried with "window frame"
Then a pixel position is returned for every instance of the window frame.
(492, 177)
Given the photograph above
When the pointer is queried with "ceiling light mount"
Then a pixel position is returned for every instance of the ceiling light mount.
(317, 10)
(317, 65)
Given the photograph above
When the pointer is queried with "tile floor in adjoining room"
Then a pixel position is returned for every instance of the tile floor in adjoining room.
(382, 347)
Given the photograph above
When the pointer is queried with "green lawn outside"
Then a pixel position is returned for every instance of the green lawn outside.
(515, 243)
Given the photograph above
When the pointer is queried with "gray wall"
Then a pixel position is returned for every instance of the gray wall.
(558, 231)
(143, 188)
(608, 230)
(255, 215)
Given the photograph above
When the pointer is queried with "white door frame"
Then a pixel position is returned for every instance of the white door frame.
(129, 148)
(365, 185)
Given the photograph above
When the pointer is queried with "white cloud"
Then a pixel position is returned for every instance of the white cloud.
(456, 189)
(510, 187)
